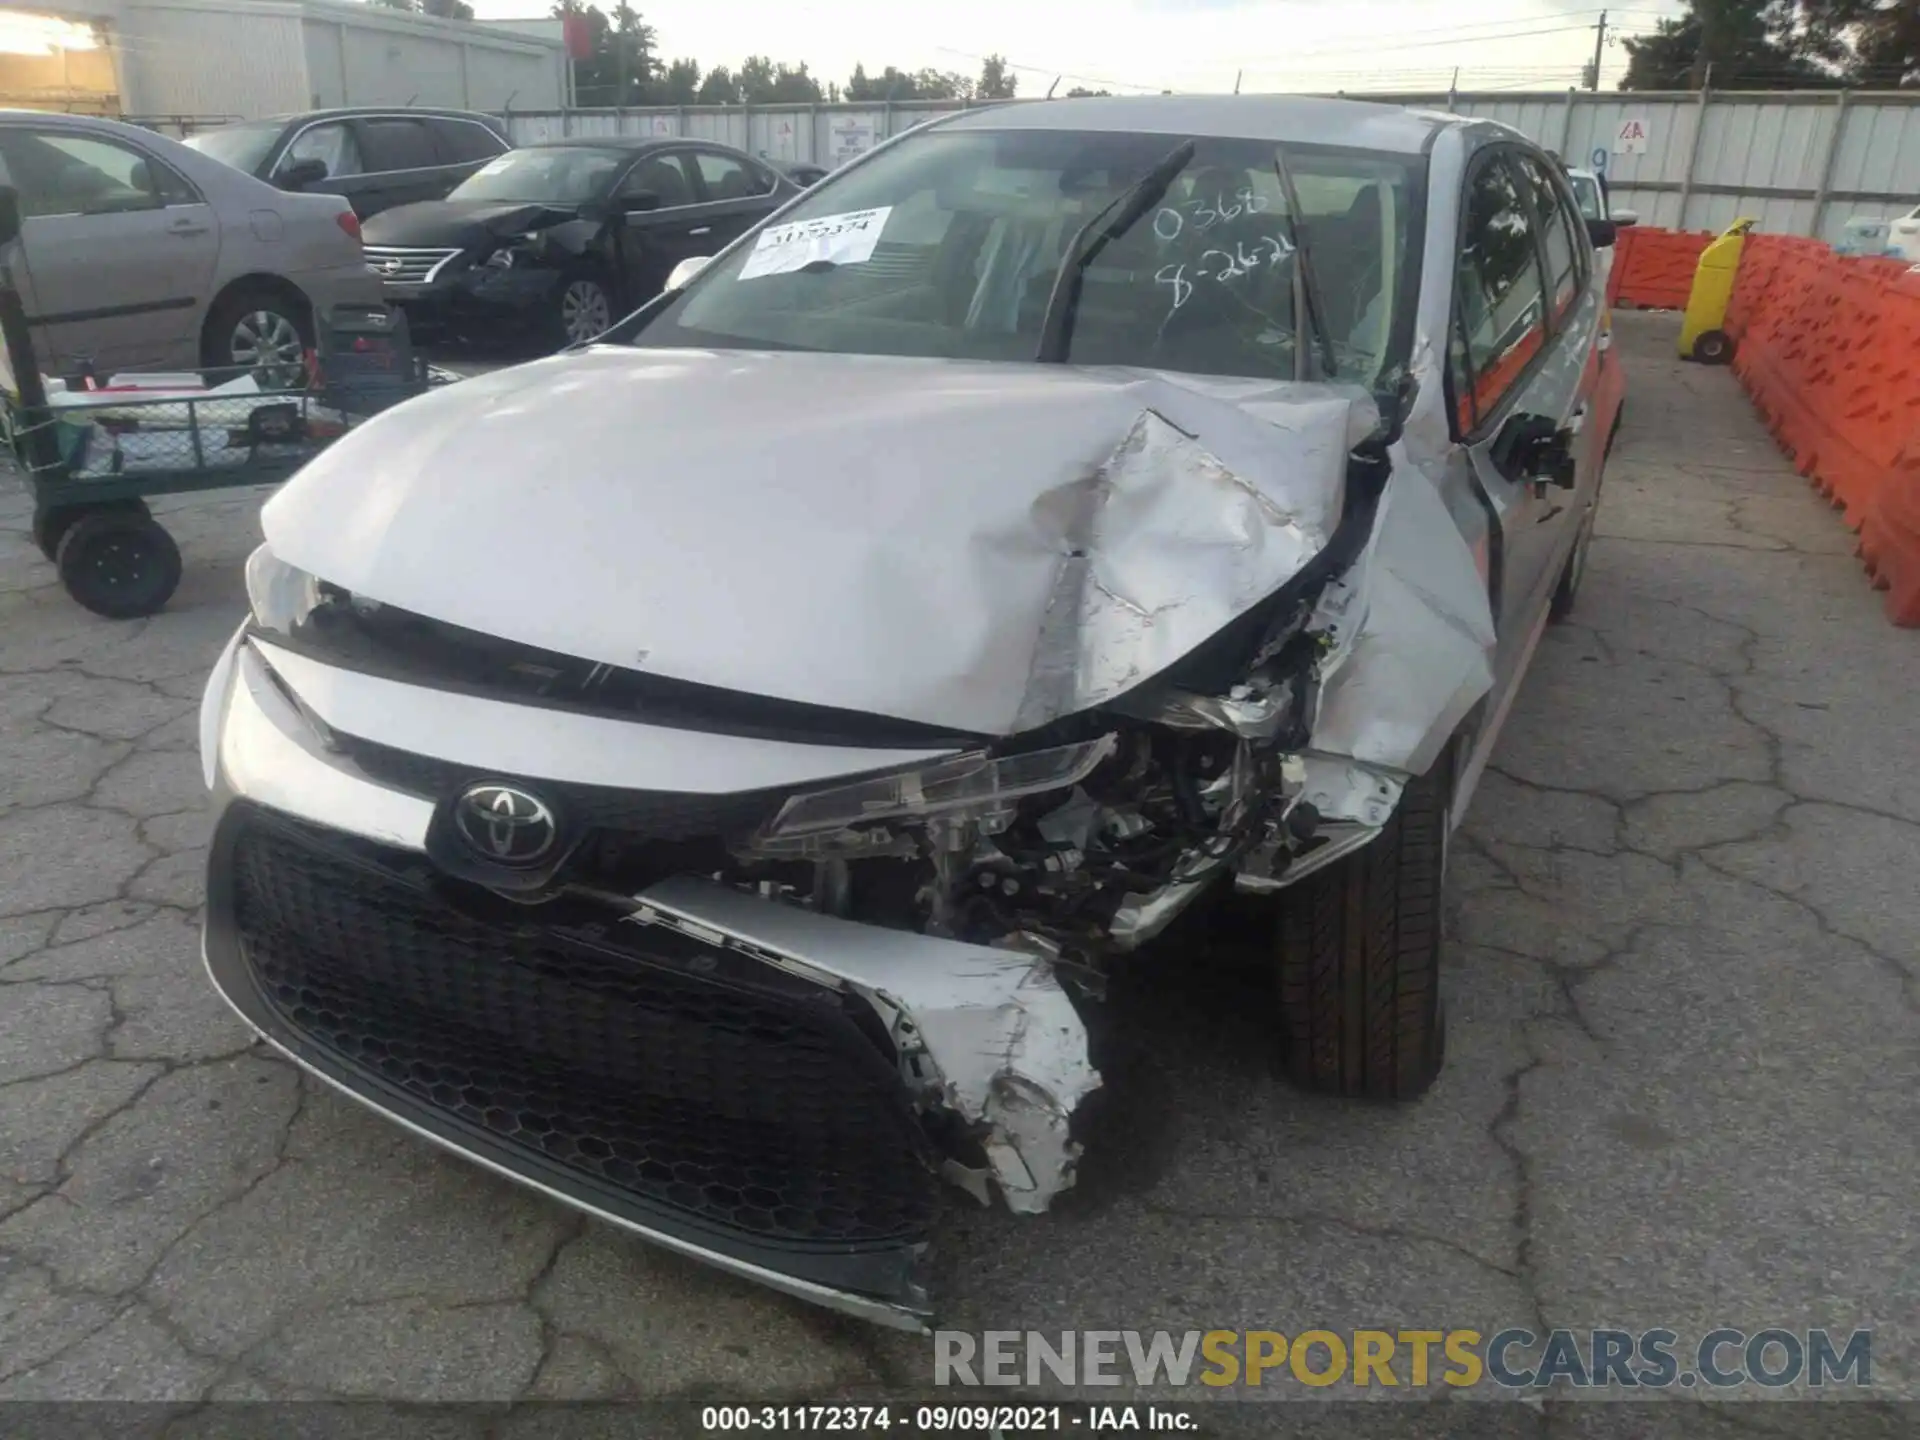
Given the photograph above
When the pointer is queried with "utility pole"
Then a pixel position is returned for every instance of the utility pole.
(1599, 44)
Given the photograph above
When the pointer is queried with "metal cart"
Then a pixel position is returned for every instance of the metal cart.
(91, 458)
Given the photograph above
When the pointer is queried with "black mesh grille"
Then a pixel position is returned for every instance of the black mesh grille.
(642, 814)
(770, 1113)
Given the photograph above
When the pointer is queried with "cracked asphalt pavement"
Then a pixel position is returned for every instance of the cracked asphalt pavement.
(1683, 988)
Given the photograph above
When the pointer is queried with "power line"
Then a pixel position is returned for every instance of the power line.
(1390, 46)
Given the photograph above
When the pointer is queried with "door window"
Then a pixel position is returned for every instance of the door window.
(58, 173)
(727, 178)
(464, 141)
(1499, 299)
(1556, 225)
(662, 175)
(332, 145)
(397, 144)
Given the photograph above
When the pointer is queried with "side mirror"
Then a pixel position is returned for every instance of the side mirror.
(301, 174)
(684, 272)
(1533, 448)
(1601, 233)
(639, 202)
(1623, 218)
(9, 214)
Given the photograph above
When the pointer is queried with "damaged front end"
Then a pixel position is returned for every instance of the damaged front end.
(872, 957)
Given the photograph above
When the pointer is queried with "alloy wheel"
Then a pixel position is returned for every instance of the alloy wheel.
(269, 344)
(585, 311)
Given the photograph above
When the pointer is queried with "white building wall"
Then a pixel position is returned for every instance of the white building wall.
(243, 59)
(210, 58)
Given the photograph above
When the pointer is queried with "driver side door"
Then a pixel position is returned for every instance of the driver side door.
(651, 241)
(120, 246)
(1523, 325)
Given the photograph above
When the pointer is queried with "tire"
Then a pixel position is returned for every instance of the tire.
(118, 563)
(1713, 347)
(260, 329)
(582, 308)
(1359, 962)
(50, 522)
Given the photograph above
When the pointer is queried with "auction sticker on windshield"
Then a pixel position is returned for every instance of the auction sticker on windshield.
(846, 239)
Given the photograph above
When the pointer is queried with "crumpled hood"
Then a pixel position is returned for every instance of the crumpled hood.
(980, 546)
(462, 223)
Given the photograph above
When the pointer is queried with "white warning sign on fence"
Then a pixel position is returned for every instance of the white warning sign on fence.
(1631, 137)
(851, 137)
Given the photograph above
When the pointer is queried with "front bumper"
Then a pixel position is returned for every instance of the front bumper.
(741, 1081)
(479, 297)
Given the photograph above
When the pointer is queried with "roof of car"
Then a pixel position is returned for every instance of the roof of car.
(628, 142)
(1302, 118)
(349, 112)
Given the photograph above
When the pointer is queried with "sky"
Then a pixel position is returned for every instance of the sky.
(1151, 45)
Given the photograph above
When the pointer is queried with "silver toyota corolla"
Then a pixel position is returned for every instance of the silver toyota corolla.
(708, 774)
(138, 252)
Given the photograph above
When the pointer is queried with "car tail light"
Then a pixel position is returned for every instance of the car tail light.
(349, 222)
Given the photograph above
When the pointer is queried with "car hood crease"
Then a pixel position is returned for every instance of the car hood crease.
(462, 223)
(975, 545)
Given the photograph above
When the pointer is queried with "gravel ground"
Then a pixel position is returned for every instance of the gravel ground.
(1681, 1092)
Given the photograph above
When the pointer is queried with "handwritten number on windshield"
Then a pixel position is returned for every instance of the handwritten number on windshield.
(1177, 226)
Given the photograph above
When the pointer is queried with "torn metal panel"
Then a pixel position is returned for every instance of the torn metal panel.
(1413, 642)
(1168, 541)
(986, 1033)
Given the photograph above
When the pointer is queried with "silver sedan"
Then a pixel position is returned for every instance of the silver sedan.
(710, 774)
(137, 252)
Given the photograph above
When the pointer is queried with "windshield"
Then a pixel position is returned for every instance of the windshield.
(241, 146)
(948, 245)
(1586, 192)
(546, 175)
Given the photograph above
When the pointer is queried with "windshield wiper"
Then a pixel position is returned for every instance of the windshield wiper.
(1308, 298)
(1056, 330)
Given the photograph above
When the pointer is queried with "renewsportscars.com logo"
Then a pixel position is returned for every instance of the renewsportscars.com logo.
(1514, 1359)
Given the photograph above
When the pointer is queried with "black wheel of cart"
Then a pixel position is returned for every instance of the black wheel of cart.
(50, 522)
(119, 564)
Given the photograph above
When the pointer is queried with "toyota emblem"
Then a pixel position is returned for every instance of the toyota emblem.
(504, 824)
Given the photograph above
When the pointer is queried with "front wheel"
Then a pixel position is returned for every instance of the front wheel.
(583, 309)
(1359, 962)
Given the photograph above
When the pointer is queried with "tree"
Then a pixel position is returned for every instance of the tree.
(895, 84)
(719, 88)
(941, 85)
(1077, 93)
(1736, 45)
(996, 81)
(681, 83)
(1879, 40)
(634, 61)
(439, 9)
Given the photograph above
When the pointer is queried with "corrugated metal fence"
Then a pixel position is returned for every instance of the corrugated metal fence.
(1800, 162)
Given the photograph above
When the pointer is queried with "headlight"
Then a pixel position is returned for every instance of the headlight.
(501, 259)
(280, 596)
(970, 781)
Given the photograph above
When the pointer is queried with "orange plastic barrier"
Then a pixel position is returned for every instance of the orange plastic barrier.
(1653, 269)
(1828, 346)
